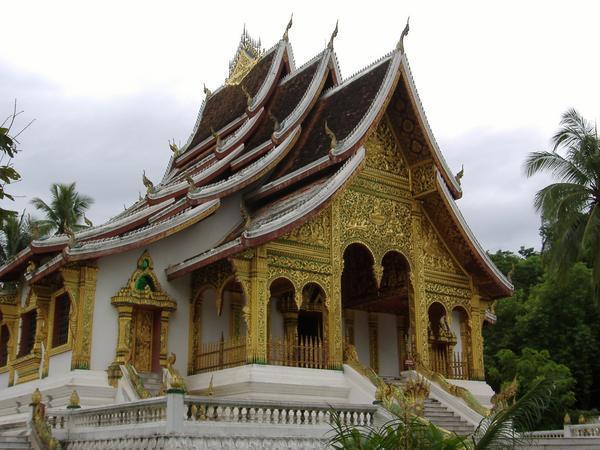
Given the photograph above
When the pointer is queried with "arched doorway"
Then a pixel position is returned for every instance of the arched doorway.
(218, 328)
(297, 335)
(462, 356)
(376, 311)
(441, 339)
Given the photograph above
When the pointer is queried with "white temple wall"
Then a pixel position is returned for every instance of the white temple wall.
(275, 320)
(114, 271)
(361, 336)
(59, 364)
(4, 380)
(387, 345)
(455, 327)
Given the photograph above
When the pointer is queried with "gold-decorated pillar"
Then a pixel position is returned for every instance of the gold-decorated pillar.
(165, 314)
(334, 300)
(476, 325)
(124, 343)
(418, 306)
(80, 283)
(401, 330)
(373, 342)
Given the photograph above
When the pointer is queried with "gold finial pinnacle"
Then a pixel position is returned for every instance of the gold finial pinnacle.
(331, 135)
(460, 174)
(400, 45)
(207, 91)
(333, 35)
(287, 28)
(249, 98)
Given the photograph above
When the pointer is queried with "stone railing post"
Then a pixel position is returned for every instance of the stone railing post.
(175, 410)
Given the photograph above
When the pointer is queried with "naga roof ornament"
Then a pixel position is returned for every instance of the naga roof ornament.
(330, 134)
(147, 183)
(287, 29)
(400, 45)
(207, 91)
(333, 35)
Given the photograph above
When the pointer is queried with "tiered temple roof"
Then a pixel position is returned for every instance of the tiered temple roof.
(288, 139)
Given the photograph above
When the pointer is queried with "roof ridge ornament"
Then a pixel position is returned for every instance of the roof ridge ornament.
(287, 29)
(147, 183)
(333, 35)
(460, 174)
(207, 91)
(248, 53)
(276, 124)
(174, 148)
(249, 98)
(217, 137)
(333, 140)
(191, 183)
(87, 221)
(400, 45)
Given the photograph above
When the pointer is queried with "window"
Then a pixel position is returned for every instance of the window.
(27, 333)
(3, 345)
(60, 332)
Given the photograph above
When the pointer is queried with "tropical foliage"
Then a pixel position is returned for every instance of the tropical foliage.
(66, 209)
(570, 208)
(15, 234)
(406, 431)
(547, 328)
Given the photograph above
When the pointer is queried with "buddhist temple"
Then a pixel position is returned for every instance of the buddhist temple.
(307, 233)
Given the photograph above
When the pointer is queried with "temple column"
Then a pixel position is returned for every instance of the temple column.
(258, 297)
(164, 336)
(418, 307)
(124, 343)
(349, 326)
(401, 330)
(373, 342)
(80, 283)
(476, 325)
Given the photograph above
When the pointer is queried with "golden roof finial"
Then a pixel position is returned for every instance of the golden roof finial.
(400, 45)
(210, 390)
(207, 91)
(87, 221)
(217, 136)
(276, 124)
(333, 35)
(249, 98)
(147, 183)
(331, 135)
(30, 267)
(287, 28)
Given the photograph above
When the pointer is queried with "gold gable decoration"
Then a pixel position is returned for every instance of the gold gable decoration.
(248, 53)
(143, 288)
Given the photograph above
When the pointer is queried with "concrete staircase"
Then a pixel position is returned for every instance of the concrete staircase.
(438, 414)
(152, 382)
(14, 442)
(441, 416)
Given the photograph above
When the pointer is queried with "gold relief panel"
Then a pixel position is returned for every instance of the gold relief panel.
(317, 231)
(436, 255)
(423, 179)
(383, 151)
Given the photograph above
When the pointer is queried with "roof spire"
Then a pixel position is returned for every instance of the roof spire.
(287, 28)
(331, 135)
(207, 91)
(400, 45)
(333, 35)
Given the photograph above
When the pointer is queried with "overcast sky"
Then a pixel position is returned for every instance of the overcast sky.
(108, 83)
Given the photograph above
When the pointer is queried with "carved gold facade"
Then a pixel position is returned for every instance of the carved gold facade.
(381, 210)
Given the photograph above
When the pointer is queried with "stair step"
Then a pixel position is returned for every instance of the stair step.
(14, 442)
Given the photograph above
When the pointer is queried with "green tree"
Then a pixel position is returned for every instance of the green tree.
(531, 366)
(570, 208)
(65, 211)
(15, 235)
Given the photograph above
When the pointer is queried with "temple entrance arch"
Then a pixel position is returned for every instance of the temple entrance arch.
(297, 325)
(440, 338)
(375, 302)
(462, 357)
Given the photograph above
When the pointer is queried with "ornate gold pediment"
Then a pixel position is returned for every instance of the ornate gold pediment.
(143, 288)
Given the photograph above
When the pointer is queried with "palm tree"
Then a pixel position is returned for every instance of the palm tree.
(570, 208)
(65, 211)
(15, 235)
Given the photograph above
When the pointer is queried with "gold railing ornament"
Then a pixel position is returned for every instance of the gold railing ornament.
(36, 397)
(567, 419)
(137, 382)
(581, 419)
(176, 383)
(450, 388)
(74, 401)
